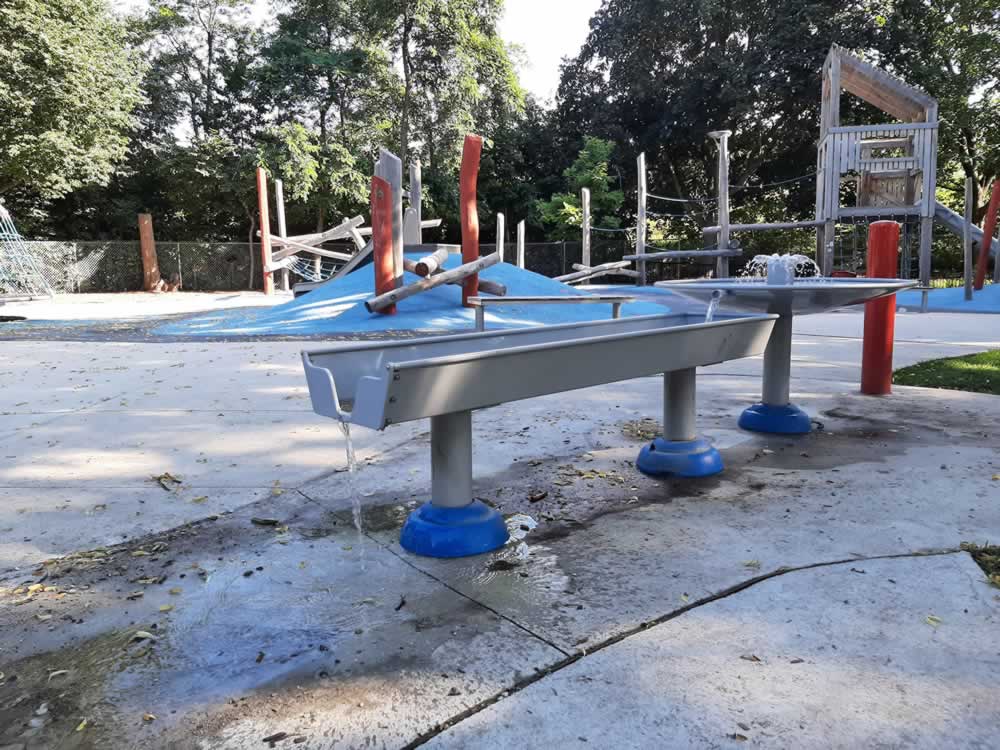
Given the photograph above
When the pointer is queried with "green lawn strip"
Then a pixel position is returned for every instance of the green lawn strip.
(979, 373)
(988, 558)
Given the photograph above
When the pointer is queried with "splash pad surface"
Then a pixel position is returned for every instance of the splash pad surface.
(338, 308)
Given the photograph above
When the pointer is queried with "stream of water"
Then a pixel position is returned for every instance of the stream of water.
(352, 467)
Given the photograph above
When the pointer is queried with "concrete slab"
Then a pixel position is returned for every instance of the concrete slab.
(40, 523)
(891, 653)
(246, 631)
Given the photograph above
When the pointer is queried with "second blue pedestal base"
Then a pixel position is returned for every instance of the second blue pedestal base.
(787, 419)
(434, 531)
(680, 458)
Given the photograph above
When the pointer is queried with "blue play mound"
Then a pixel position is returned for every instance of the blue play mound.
(338, 308)
(986, 300)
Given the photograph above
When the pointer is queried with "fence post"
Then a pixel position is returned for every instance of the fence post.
(265, 230)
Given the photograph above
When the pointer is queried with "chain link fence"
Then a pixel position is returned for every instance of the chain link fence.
(116, 266)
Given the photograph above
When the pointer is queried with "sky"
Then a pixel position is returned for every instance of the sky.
(546, 30)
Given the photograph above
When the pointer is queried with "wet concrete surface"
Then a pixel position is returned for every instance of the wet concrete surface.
(230, 631)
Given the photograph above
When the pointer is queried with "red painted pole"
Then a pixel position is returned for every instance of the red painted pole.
(983, 262)
(265, 230)
(880, 314)
(467, 180)
(385, 273)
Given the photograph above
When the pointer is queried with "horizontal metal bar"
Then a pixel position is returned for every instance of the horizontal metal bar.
(893, 128)
(667, 255)
(549, 299)
(765, 226)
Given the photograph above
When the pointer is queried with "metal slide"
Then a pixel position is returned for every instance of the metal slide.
(955, 222)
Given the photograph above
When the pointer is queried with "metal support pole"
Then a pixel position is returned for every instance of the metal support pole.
(679, 405)
(520, 244)
(721, 138)
(616, 310)
(480, 318)
(416, 197)
(585, 226)
(778, 363)
(640, 225)
(967, 241)
(501, 230)
(451, 459)
(279, 210)
(926, 235)
(829, 237)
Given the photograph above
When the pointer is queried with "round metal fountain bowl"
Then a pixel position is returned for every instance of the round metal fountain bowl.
(805, 296)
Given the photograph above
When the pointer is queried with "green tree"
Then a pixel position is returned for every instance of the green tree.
(563, 213)
(67, 93)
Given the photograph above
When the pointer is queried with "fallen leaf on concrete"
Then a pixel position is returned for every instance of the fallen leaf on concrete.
(684, 598)
(276, 737)
(57, 673)
(166, 607)
(81, 726)
(175, 591)
(142, 635)
(139, 553)
(752, 657)
(199, 500)
(767, 451)
(933, 620)
(35, 587)
(276, 489)
(402, 603)
(738, 737)
(535, 497)
(265, 521)
(796, 661)
(752, 564)
(149, 717)
(43, 618)
(166, 480)
(135, 594)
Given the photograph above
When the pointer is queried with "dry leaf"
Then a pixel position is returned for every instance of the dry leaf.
(142, 635)
(175, 591)
(751, 657)
(933, 620)
(199, 500)
(57, 673)
(149, 717)
(752, 564)
(81, 726)
(166, 607)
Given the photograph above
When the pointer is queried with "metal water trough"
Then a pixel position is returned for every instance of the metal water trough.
(375, 384)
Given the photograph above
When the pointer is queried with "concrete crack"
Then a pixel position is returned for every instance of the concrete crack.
(642, 627)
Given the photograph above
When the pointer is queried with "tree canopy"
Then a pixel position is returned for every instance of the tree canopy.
(68, 88)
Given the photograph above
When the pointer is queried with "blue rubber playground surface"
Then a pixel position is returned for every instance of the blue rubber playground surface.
(986, 300)
(338, 308)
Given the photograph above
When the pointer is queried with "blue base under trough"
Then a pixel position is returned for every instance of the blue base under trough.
(787, 419)
(680, 458)
(434, 531)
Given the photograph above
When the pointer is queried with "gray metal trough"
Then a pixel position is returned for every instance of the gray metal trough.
(376, 384)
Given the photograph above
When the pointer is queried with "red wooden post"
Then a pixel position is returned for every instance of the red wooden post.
(988, 228)
(880, 314)
(265, 230)
(382, 251)
(467, 180)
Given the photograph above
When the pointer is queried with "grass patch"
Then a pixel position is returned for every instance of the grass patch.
(988, 558)
(979, 373)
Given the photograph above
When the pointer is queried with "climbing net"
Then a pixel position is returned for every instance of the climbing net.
(313, 268)
(20, 275)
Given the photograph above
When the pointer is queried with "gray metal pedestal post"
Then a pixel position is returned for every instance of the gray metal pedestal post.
(680, 452)
(775, 414)
(778, 363)
(452, 524)
(451, 459)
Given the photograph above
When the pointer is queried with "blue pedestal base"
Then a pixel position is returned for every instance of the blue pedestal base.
(680, 458)
(787, 419)
(434, 531)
